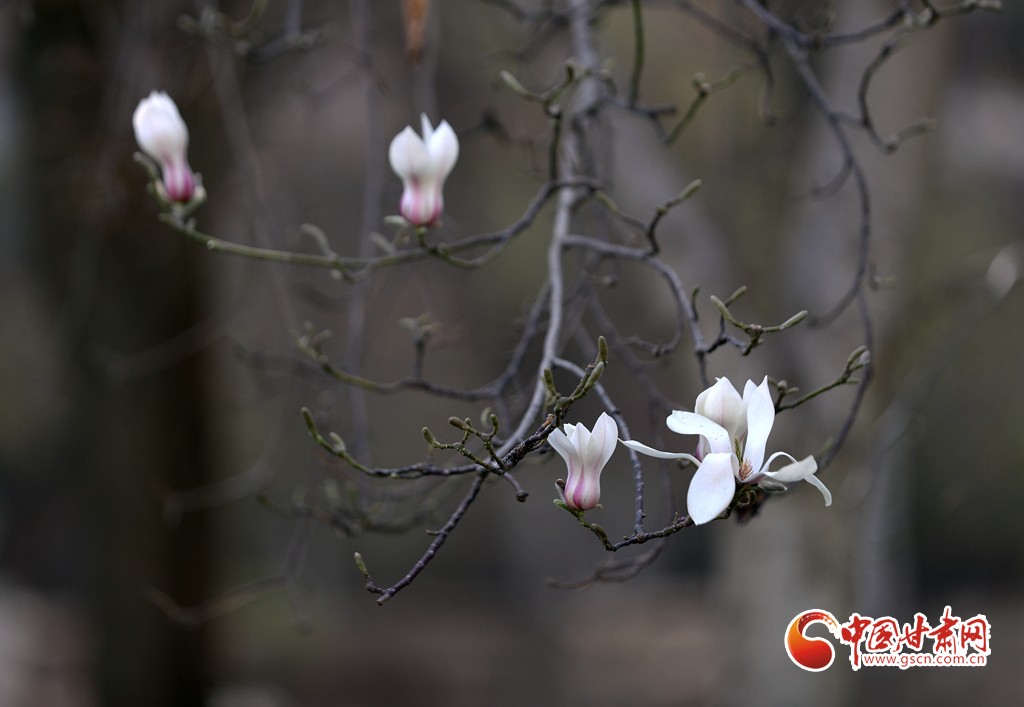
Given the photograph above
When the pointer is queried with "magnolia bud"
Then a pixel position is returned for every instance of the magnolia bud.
(162, 134)
(585, 454)
(423, 164)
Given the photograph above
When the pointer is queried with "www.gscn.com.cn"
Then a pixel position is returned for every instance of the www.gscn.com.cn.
(909, 660)
(881, 642)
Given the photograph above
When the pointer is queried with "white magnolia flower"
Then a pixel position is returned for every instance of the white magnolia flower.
(585, 453)
(729, 458)
(424, 163)
(163, 135)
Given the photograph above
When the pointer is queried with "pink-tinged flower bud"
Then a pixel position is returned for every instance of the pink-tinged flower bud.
(424, 163)
(585, 453)
(162, 134)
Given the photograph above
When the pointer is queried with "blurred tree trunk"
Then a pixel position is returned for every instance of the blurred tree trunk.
(118, 285)
(787, 558)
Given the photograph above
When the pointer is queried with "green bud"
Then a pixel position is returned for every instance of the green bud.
(928, 124)
(855, 355)
(461, 424)
(720, 306)
(594, 376)
(311, 231)
(513, 83)
(339, 443)
(308, 417)
(549, 381)
(383, 243)
(332, 493)
(737, 294)
(430, 438)
(361, 565)
(690, 190)
(602, 349)
(322, 337)
(793, 321)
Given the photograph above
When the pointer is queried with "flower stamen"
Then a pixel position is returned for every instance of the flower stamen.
(745, 470)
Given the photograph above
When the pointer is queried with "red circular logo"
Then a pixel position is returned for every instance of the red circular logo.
(814, 654)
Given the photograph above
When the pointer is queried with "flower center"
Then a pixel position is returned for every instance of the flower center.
(745, 470)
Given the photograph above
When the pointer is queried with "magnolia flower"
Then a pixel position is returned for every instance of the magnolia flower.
(423, 164)
(729, 458)
(162, 134)
(585, 453)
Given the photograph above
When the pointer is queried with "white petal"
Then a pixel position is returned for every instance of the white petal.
(580, 439)
(443, 146)
(816, 483)
(428, 129)
(566, 449)
(698, 404)
(409, 157)
(797, 471)
(722, 404)
(802, 470)
(159, 129)
(652, 452)
(760, 418)
(748, 390)
(689, 423)
(764, 389)
(712, 487)
(602, 442)
(775, 456)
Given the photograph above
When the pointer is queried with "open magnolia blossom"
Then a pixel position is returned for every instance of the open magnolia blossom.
(163, 135)
(725, 457)
(423, 163)
(585, 453)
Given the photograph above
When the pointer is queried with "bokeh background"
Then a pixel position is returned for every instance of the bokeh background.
(135, 364)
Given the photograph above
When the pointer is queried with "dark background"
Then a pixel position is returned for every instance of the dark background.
(135, 363)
